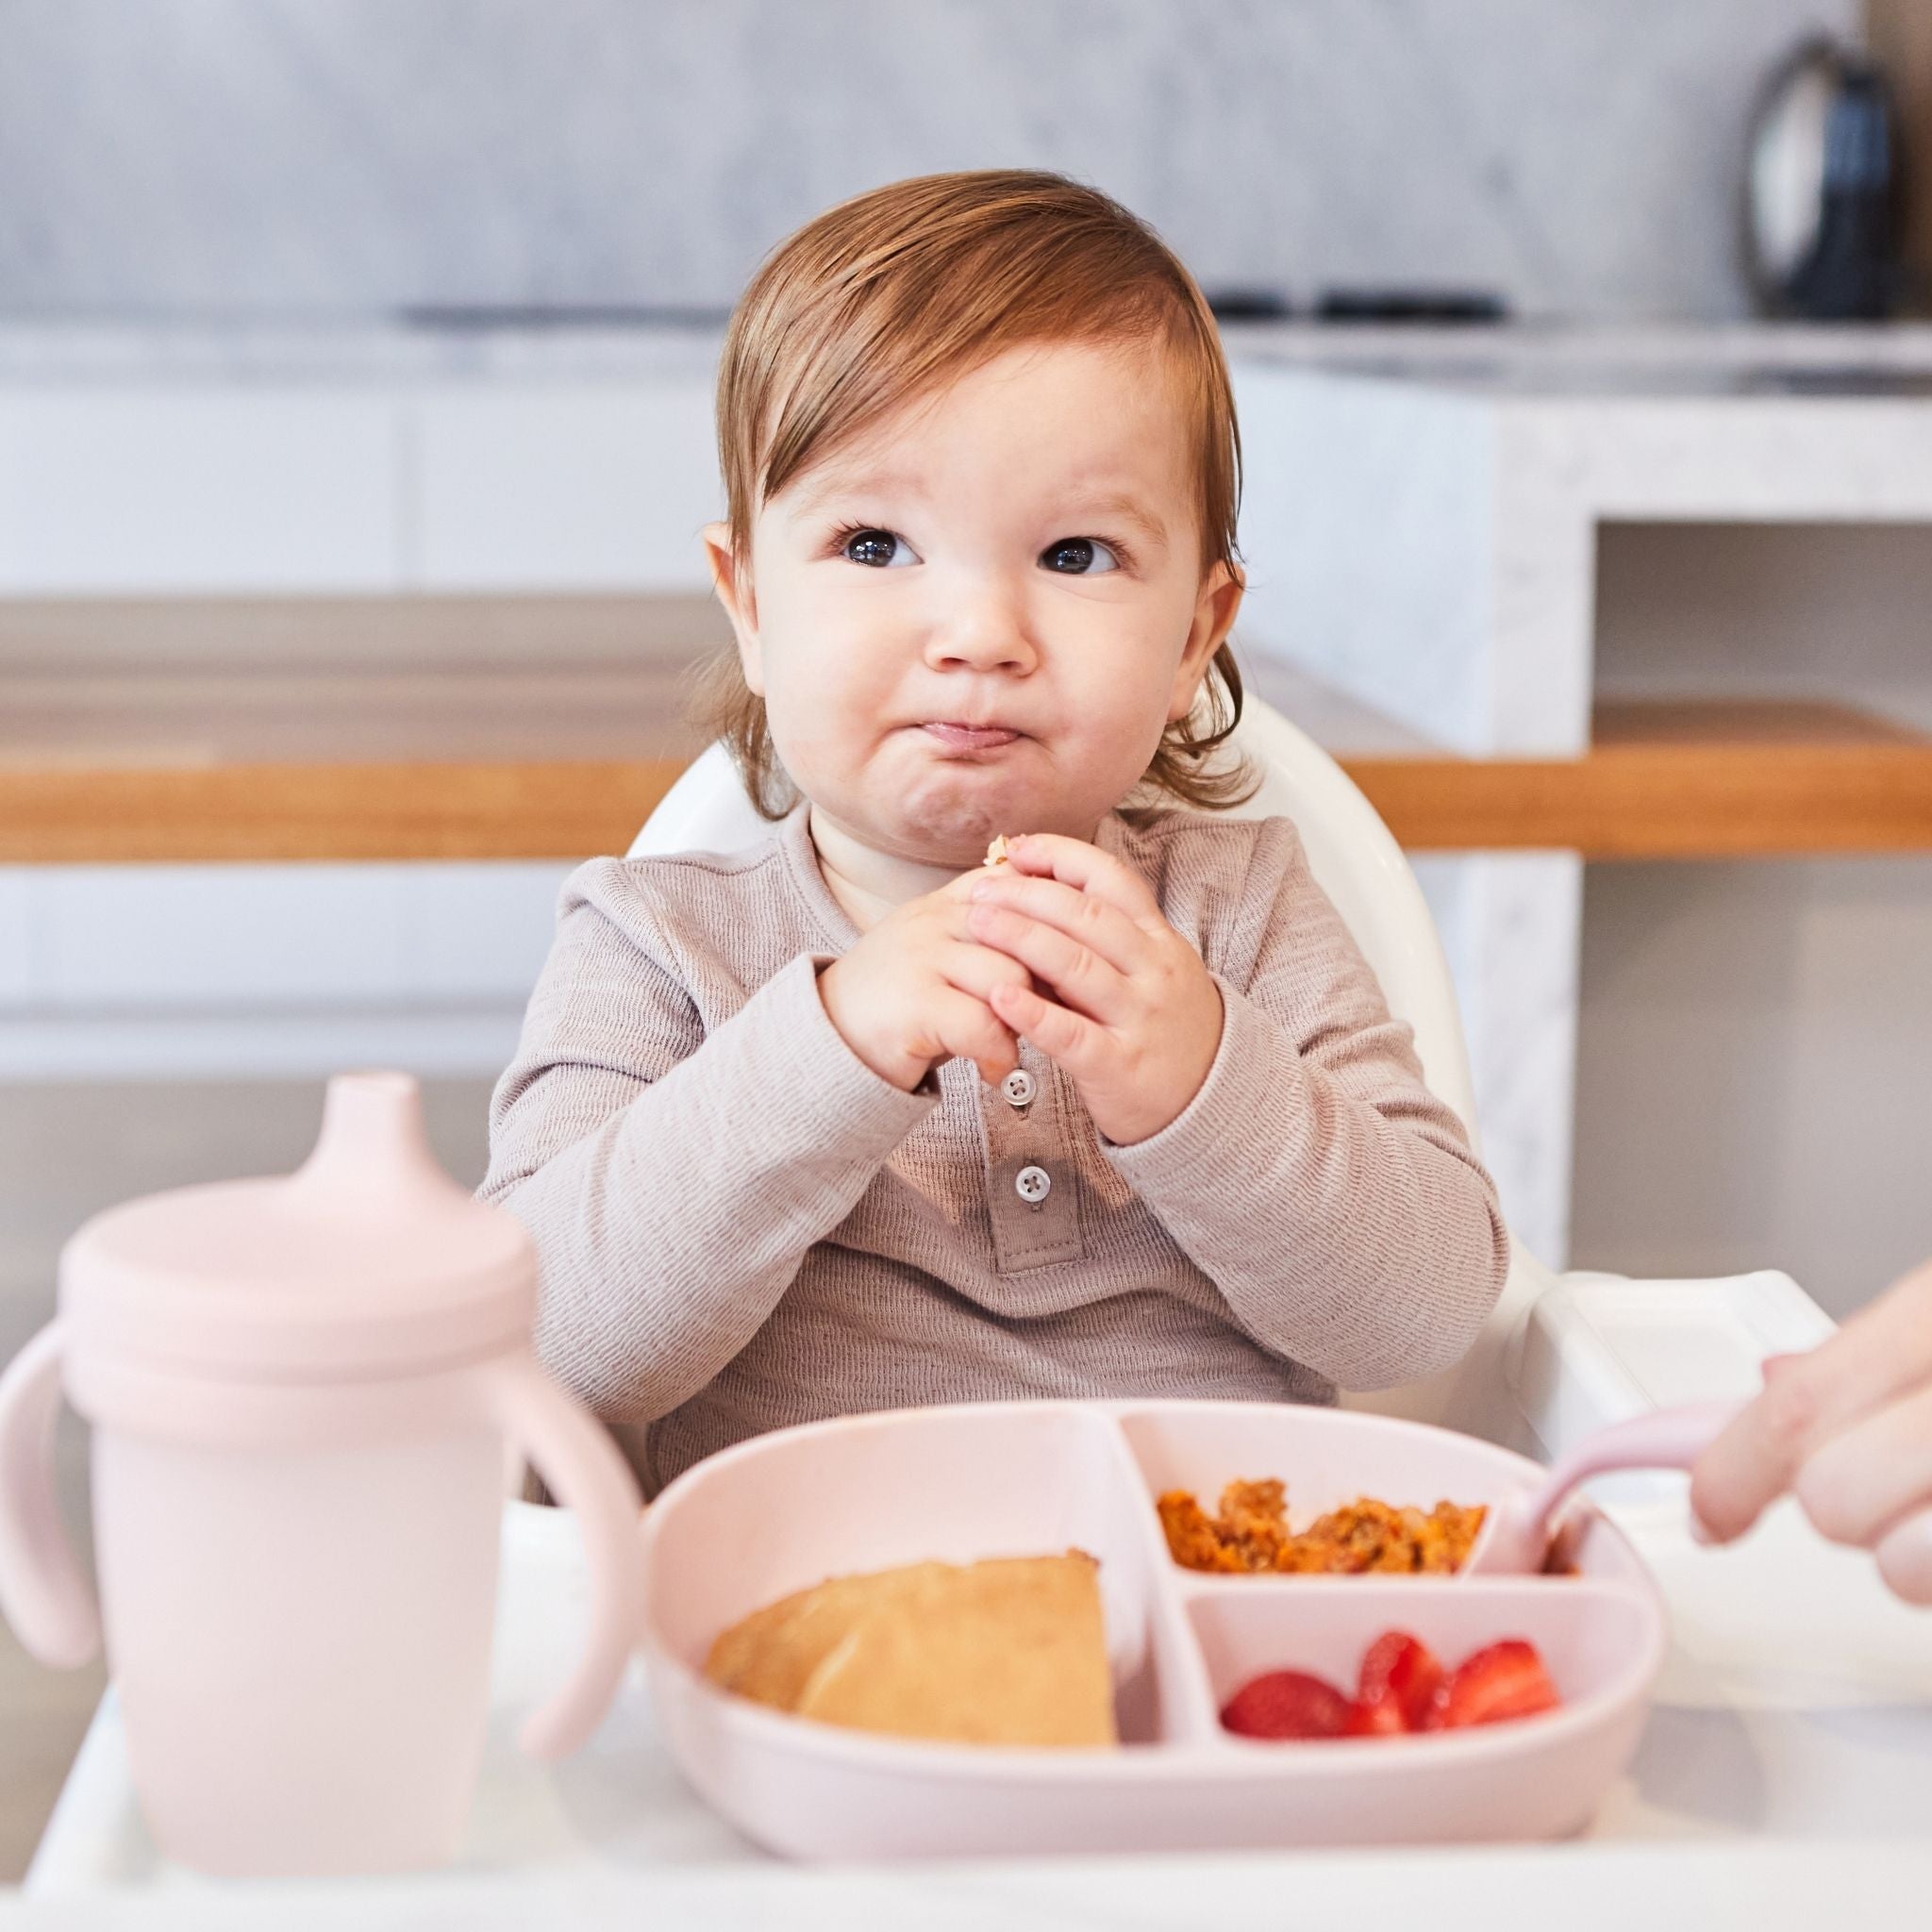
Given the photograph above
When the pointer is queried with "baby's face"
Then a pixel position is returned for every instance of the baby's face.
(981, 617)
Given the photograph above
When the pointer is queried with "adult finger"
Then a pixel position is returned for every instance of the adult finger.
(1758, 1456)
(1085, 867)
(1093, 923)
(1075, 972)
(1905, 1559)
(1881, 1353)
(1871, 1475)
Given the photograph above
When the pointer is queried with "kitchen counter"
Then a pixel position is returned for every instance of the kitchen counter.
(1434, 516)
(1641, 356)
(378, 765)
(1424, 515)
(548, 728)
(459, 727)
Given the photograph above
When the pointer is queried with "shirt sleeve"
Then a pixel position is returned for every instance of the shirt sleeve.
(1335, 1203)
(672, 1180)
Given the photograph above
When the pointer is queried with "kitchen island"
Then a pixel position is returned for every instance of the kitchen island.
(391, 597)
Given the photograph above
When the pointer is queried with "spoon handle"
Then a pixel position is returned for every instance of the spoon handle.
(1665, 1439)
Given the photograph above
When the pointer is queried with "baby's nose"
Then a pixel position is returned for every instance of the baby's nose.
(982, 632)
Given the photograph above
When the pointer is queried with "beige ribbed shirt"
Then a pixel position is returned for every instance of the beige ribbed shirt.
(741, 1226)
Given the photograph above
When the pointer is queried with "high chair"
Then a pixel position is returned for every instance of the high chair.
(1559, 1354)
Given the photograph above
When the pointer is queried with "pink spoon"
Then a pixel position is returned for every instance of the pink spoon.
(1514, 1539)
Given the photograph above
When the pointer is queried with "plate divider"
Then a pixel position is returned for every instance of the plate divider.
(1177, 1654)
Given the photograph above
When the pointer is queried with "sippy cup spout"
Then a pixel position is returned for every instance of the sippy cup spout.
(373, 1136)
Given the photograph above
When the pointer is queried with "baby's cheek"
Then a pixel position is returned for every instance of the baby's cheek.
(1121, 726)
(816, 708)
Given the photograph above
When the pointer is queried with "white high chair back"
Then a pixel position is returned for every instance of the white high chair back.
(1356, 861)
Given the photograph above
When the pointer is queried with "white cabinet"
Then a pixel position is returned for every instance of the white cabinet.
(596, 487)
(226, 488)
(127, 937)
(202, 972)
(477, 933)
(16, 938)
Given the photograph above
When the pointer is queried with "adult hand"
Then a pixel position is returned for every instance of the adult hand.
(1135, 1017)
(1847, 1429)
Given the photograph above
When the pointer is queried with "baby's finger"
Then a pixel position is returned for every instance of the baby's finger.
(1077, 973)
(969, 1029)
(1087, 868)
(978, 969)
(1872, 1476)
(1091, 922)
(1071, 1039)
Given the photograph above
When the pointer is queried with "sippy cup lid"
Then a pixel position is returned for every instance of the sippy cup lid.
(370, 1259)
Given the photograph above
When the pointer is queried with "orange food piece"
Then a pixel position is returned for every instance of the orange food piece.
(1251, 1534)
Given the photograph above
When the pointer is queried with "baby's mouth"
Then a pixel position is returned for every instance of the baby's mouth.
(958, 736)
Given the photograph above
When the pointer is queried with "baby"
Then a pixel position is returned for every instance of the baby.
(851, 1120)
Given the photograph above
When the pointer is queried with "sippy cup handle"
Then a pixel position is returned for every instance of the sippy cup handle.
(582, 1468)
(43, 1592)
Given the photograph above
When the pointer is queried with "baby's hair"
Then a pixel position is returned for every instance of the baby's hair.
(888, 297)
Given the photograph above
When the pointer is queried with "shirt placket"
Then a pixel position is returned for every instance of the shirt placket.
(1031, 1189)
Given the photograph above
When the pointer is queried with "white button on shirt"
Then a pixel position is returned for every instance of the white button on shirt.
(1019, 1087)
(1033, 1185)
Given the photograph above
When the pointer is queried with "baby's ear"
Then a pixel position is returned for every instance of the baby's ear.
(1214, 614)
(731, 579)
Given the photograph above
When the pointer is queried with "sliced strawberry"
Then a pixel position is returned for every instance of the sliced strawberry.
(1399, 1682)
(1507, 1680)
(1287, 1704)
(1383, 1720)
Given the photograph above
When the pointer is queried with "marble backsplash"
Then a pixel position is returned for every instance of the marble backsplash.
(291, 156)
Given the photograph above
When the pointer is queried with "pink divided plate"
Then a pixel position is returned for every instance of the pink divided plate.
(786, 1510)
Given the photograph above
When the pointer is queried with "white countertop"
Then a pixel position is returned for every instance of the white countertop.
(83, 352)
(1657, 359)
(1661, 358)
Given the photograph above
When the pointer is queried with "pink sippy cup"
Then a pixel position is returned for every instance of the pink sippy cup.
(302, 1389)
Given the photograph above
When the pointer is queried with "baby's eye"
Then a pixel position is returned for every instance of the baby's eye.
(879, 549)
(1079, 557)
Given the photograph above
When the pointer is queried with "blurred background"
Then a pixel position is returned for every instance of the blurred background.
(355, 365)
(357, 159)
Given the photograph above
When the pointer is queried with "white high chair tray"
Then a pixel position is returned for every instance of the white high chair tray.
(1795, 1713)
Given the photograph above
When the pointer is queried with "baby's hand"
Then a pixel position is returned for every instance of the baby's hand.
(1138, 1022)
(915, 989)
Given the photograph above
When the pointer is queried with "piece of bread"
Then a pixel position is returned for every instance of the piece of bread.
(770, 1656)
(1010, 1651)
